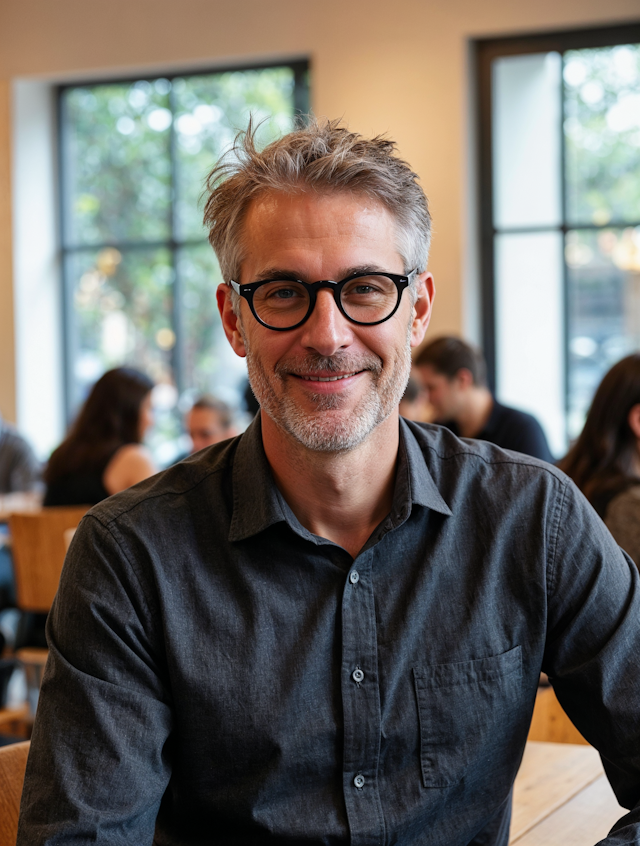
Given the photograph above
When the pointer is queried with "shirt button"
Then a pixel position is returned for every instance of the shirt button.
(359, 781)
(357, 675)
(354, 577)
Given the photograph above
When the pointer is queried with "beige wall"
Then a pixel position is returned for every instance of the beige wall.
(397, 67)
(7, 356)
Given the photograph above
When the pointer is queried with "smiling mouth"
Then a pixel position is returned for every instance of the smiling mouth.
(328, 378)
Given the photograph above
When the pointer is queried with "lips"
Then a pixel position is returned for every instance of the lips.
(328, 378)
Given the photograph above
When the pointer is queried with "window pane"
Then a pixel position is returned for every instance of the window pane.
(209, 112)
(526, 148)
(210, 364)
(117, 167)
(604, 309)
(602, 132)
(122, 313)
(529, 321)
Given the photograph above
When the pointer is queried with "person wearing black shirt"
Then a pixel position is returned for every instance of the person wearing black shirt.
(454, 375)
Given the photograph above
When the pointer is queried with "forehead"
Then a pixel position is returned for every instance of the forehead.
(203, 416)
(319, 232)
(429, 374)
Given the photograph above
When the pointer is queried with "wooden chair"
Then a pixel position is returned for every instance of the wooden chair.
(550, 723)
(13, 762)
(39, 544)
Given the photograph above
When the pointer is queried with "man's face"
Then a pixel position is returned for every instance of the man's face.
(444, 394)
(328, 383)
(205, 428)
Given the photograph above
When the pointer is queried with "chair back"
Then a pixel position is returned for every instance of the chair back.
(38, 547)
(13, 762)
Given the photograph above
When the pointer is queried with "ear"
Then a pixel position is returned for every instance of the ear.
(633, 419)
(230, 321)
(464, 377)
(422, 307)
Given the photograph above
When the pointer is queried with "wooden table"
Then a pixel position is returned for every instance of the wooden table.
(561, 797)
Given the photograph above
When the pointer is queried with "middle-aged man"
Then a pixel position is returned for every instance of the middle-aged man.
(454, 375)
(330, 629)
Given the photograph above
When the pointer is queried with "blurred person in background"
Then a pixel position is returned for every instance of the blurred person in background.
(19, 468)
(209, 421)
(605, 460)
(455, 375)
(414, 405)
(103, 452)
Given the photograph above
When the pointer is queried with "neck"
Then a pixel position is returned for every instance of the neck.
(476, 412)
(338, 496)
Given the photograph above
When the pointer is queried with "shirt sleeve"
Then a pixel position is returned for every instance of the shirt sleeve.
(99, 763)
(593, 647)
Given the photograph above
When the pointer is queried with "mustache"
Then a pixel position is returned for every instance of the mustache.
(314, 363)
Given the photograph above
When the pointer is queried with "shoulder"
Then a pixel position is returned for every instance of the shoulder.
(516, 417)
(12, 441)
(181, 483)
(445, 453)
(130, 454)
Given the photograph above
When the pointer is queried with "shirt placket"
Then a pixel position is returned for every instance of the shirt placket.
(361, 706)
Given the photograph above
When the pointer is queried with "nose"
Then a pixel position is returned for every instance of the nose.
(327, 330)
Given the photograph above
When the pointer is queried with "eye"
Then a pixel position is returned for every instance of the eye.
(284, 293)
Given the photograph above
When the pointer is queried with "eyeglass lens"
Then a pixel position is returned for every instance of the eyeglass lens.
(367, 299)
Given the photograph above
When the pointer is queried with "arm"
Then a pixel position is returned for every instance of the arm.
(131, 464)
(593, 646)
(98, 767)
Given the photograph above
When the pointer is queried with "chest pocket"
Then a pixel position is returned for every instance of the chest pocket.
(464, 708)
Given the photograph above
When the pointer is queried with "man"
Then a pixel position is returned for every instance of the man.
(19, 468)
(454, 375)
(209, 421)
(330, 629)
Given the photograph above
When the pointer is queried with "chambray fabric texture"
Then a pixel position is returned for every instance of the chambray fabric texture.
(203, 685)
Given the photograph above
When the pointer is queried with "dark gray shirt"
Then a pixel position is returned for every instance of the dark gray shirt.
(221, 675)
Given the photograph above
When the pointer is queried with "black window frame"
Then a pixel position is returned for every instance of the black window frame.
(485, 51)
(301, 68)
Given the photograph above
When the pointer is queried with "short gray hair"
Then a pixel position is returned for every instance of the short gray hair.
(322, 156)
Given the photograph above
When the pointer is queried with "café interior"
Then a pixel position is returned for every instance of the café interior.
(467, 92)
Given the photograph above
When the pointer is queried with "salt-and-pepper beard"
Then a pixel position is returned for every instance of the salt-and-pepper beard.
(320, 429)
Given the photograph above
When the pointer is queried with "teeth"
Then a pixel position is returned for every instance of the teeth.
(327, 378)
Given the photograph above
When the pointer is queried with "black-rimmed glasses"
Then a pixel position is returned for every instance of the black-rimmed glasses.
(364, 298)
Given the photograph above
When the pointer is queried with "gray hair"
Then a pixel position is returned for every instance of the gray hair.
(321, 156)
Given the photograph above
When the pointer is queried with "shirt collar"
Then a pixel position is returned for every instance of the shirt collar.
(257, 503)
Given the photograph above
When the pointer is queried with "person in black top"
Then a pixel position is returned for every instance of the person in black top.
(103, 453)
(454, 374)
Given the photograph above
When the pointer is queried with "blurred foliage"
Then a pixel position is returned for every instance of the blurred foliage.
(603, 290)
(602, 134)
(135, 159)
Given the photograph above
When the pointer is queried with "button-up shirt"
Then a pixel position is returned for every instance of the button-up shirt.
(219, 674)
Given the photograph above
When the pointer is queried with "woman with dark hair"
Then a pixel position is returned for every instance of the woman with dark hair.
(605, 460)
(103, 453)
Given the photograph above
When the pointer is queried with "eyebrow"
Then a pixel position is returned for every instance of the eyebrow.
(292, 275)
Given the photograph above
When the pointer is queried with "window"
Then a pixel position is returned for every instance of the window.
(139, 274)
(560, 212)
